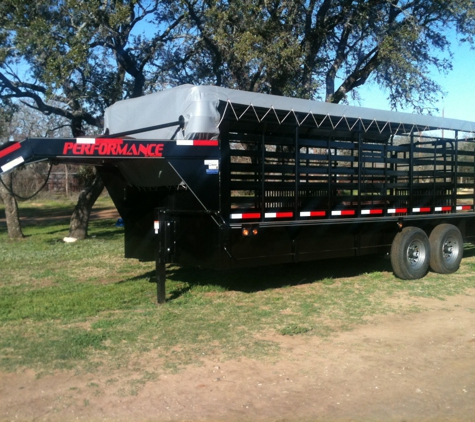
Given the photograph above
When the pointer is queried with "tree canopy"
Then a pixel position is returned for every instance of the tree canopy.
(326, 49)
(74, 58)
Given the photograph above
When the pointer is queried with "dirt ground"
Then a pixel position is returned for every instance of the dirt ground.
(413, 367)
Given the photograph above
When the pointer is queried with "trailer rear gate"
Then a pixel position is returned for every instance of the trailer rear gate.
(221, 178)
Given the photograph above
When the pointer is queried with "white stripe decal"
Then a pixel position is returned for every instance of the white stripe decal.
(85, 140)
(184, 142)
(236, 216)
(12, 164)
(270, 215)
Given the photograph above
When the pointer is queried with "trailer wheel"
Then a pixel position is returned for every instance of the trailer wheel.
(410, 254)
(446, 247)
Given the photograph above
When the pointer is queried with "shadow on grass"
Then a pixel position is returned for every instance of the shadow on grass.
(269, 277)
(251, 280)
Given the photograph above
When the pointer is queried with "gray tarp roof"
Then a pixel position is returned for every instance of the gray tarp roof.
(200, 107)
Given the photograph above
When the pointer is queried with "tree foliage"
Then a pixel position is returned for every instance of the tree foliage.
(74, 58)
(326, 49)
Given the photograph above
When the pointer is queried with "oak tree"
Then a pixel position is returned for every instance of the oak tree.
(326, 49)
(75, 58)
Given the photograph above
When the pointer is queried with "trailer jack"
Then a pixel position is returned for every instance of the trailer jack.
(164, 228)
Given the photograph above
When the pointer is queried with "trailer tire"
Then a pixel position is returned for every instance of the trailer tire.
(446, 249)
(410, 254)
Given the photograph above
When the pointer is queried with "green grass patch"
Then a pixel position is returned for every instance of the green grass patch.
(83, 306)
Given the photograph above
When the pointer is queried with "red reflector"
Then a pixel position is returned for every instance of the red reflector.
(10, 149)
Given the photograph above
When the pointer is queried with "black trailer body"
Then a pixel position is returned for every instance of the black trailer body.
(218, 178)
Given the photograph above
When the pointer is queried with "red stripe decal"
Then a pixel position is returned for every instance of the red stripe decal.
(249, 215)
(204, 143)
(284, 214)
(10, 149)
(348, 212)
(109, 141)
(426, 209)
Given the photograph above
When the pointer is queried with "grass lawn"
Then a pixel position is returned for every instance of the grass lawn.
(83, 306)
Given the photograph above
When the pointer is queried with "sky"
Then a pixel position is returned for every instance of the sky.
(459, 84)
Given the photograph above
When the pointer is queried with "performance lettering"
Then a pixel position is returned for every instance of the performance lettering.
(114, 149)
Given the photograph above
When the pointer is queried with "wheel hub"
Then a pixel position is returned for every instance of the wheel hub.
(416, 254)
(450, 249)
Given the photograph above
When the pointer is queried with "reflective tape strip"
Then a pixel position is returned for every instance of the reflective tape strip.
(371, 212)
(16, 162)
(439, 209)
(464, 207)
(278, 214)
(343, 212)
(10, 149)
(198, 142)
(313, 214)
(425, 209)
(245, 216)
(397, 210)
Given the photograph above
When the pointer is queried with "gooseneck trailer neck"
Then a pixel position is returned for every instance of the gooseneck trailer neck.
(219, 178)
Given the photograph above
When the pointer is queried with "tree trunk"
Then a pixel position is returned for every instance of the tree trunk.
(80, 218)
(11, 208)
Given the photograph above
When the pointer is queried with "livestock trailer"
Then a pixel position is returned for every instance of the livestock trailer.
(219, 178)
